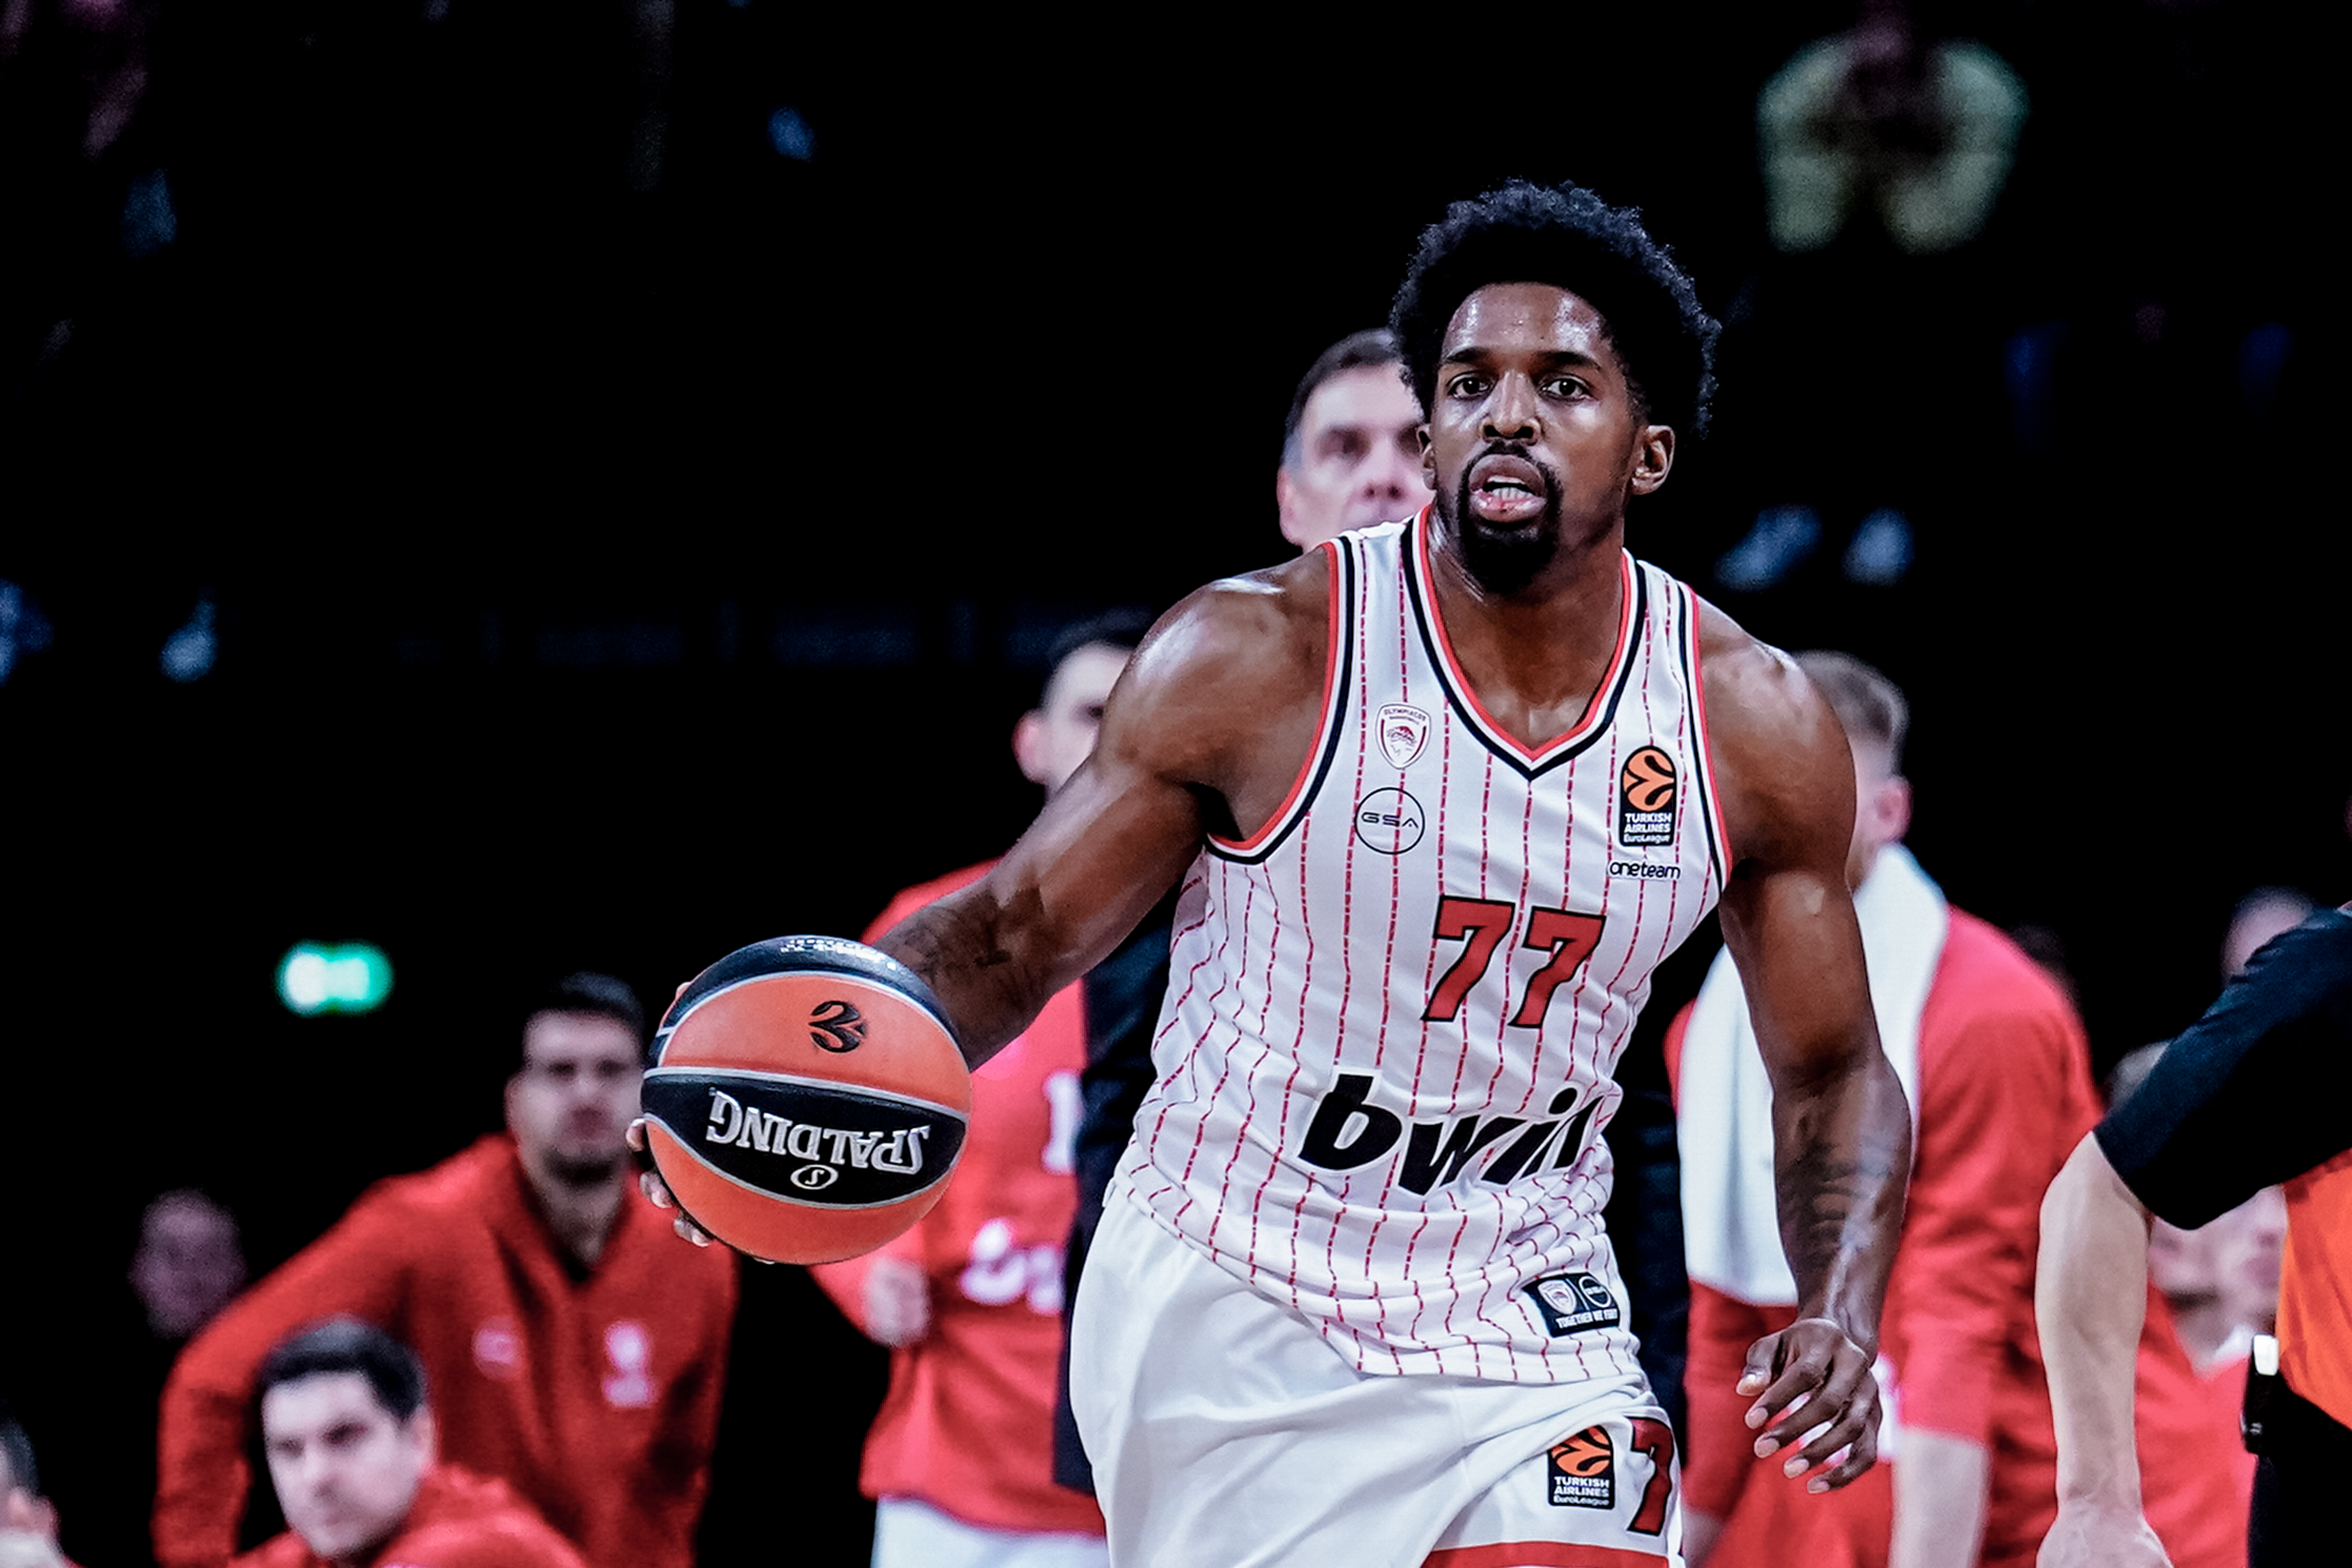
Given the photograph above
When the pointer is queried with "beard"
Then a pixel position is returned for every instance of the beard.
(583, 1170)
(1502, 563)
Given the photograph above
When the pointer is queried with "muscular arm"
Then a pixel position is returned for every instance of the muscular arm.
(2090, 1302)
(1842, 1131)
(1205, 732)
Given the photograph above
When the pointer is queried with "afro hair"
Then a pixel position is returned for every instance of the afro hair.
(1567, 236)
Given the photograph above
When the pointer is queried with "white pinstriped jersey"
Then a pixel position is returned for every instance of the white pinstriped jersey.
(1385, 1059)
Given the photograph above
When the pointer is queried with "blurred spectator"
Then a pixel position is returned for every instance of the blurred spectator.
(188, 1265)
(1915, 133)
(29, 1524)
(1351, 446)
(1999, 1076)
(353, 1453)
(1883, 151)
(576, 1351)
(960, 1458)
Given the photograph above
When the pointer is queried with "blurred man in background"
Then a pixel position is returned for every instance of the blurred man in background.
(960, 1460)
(1351, 446)
(1995, 1061)
(353, 1453)
(575, 1352)
(189, 1263)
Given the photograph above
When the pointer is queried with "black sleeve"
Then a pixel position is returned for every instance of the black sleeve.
(2257, 1091)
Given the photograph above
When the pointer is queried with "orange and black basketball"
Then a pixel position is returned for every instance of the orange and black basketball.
(806, 1099)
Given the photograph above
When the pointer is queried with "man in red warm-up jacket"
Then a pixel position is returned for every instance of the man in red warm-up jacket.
(575, 1352)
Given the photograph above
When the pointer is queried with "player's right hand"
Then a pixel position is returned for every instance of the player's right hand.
(656, 1191)
(1813, 1385)
(2089, 1535)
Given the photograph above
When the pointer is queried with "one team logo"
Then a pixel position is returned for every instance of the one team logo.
(1404, 731)
(1584, 1470)
(1390, 821)
(1645, 799)
(1572, 1304)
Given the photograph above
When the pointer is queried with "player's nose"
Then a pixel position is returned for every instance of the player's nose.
(1511, 410)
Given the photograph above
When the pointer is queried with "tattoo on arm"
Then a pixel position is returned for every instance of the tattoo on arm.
(1842, 1179)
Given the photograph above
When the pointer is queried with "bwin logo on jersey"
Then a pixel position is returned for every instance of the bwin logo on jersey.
(1347, 1131)
(1572, 1304)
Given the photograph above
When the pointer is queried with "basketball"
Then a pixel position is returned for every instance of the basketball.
(806, 1099)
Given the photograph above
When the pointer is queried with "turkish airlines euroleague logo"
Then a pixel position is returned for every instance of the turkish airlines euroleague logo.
(1645, 799)
(1584, 1470)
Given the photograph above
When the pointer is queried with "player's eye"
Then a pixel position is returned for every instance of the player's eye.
(1467, 386)
(1565, 386)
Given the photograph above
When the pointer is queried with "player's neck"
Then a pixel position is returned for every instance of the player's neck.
(1535, 657)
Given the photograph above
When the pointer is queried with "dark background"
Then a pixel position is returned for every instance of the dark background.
(609, 572)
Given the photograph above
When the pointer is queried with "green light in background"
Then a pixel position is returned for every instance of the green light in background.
(352, 978)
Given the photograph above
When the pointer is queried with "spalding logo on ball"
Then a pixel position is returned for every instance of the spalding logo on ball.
(806, 1099)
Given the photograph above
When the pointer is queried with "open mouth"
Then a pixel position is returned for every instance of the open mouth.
(1506, 490)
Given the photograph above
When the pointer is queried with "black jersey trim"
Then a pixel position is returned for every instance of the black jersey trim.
(1424, 610)
(1718, 846)
(1342, 680)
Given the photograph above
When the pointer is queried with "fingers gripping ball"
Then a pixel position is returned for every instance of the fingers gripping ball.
(806, 1099)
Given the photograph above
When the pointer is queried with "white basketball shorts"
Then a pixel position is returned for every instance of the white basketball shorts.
(1225, 1433)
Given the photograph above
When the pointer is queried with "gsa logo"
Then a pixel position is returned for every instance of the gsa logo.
(1390, 821)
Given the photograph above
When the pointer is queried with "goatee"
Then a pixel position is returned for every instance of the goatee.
(583, 1171)
(1503, 563)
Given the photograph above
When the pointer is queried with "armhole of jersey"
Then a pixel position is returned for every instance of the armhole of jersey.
(1337, 656)
(1718, 841)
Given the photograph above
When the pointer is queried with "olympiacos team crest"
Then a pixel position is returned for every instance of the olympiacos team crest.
(1404, 731)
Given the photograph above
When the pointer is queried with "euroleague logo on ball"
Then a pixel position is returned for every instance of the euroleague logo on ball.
(1646, 798)
(836, 1026)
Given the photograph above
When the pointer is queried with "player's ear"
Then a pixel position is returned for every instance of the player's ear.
(1286, 505)
(1653, 454)
(1428, 455)
(1029, 748)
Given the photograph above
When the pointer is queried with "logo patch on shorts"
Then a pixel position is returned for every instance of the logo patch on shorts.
(1573, 1304)
(1645, 799)
(1584, 1470)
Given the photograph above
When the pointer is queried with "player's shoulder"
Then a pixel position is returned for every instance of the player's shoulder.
(1781, 765)
(1227, 623)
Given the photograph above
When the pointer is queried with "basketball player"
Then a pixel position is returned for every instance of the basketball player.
(351, 1451)
(1352, 444)
(572, 1353)
(960, 1459)
(2254, 1093)
(1997, 1068)
(1447, 792)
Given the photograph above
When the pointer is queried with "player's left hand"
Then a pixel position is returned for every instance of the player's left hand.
(1813, 1385)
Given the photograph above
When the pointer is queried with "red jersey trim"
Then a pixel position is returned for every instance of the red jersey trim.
(1541, 1554)
(1599, 709)
(1719, 839)
(1337, 654)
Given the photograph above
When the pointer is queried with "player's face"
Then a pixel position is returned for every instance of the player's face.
(1359, 460)
(570, 1106)
(1535, 439)
(345, 1468)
